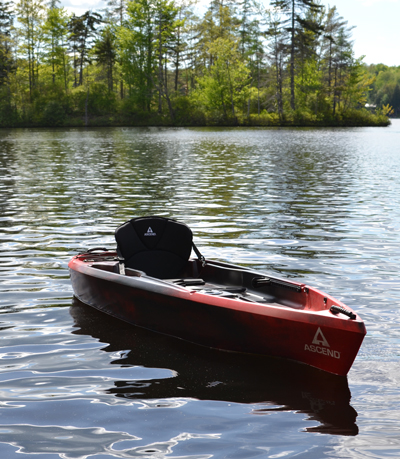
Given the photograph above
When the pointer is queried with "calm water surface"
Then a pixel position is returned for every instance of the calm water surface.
(317, 205)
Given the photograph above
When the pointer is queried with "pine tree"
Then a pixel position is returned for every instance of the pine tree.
(342, 62)
(83, 30)
(219, 22)
(294, 9)
(105, 52)
(277, 47)
(115, 16)
(332, 25)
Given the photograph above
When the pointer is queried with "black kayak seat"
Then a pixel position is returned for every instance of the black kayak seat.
(158, 246)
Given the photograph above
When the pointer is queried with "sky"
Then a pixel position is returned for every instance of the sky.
(376, 35)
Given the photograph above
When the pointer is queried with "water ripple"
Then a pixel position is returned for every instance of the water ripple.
(318, 205)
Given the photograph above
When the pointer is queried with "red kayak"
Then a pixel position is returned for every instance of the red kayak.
(151, 281)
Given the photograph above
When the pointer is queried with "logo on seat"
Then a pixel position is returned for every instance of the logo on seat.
(150, 232)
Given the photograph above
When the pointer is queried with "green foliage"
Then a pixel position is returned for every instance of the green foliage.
(82, 30)
(386, 110)
(97, 100)
(156, 62)
(144, 41)
(264, 119)
(30, 15)
(8, 112)
(7, 61)
(136, 52)
(224, 87)
(187, 112)
(55, 38)
(53, 114)
(363, 117)
(105, 52)
(385, 89)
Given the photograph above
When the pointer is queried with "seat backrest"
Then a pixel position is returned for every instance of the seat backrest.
(158, 246)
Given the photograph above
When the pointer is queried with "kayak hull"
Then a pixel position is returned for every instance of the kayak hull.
(297, 325)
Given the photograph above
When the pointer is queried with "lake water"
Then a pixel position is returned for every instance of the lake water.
(317, 205)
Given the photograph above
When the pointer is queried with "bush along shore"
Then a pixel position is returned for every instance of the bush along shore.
(159, 63)
(56, 117)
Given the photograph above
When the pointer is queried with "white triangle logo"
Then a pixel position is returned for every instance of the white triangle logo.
(319, 339)
(150, 232)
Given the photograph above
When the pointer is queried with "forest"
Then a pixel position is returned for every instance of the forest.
(385, 88)
(162, 63)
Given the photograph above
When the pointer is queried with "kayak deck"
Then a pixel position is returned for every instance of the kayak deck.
(233, 282)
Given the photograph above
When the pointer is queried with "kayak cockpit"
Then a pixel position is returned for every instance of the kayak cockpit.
(217, 279)
(159, 248)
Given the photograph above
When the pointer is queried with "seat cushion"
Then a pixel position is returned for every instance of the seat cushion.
(158, 246)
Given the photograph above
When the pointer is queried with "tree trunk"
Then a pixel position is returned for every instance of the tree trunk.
(292, 103)
(160, 70)
(231, 92)
(334, 94)
(86, 108)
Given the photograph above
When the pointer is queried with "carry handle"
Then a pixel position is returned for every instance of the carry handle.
(340, 309)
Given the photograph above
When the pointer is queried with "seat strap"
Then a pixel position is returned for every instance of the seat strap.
(121, 266)
(199, 255)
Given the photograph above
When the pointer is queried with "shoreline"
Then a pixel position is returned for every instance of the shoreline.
(99, 122)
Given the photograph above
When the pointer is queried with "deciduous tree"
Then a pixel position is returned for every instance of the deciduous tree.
(225, 85)
(55, 36)
(30, 15)
(7, 61)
